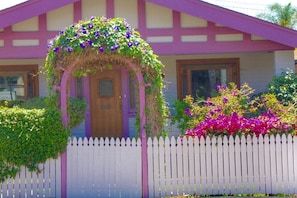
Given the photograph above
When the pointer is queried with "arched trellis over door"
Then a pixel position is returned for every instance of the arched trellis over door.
(95, 44)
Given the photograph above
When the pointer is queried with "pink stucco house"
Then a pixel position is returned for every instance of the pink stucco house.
(201, 45)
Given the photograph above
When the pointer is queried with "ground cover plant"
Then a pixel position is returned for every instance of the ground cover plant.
(234, 112)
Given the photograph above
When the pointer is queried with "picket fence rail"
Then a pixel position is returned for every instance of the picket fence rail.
(176, 166)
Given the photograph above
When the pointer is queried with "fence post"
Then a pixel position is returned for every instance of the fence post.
(144, 165)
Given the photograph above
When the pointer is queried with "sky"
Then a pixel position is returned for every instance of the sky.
(249, 7)
(8, 3)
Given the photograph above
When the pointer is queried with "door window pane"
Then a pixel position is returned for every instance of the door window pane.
(105, 88)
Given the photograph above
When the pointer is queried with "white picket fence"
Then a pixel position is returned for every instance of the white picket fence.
(112, 168)
(223, 166)
(104, 168)
(47, 183)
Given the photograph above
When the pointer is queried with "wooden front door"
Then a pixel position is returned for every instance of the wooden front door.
(106, 103)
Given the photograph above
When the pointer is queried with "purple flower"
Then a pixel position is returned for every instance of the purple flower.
(56, 49)
(82, 45)
(97, 33)
(130, 43)
(61, 32)
(136, 43)
(90, 26)
(126, 24)
(225, 100)
(128, 34)
(220, 87)
(90, 43)
(117, 28)
(69, 49)
(50, 44)
(211, 112)
(106, 34)
(112, 48)
(92, 18)
(116, 46)
(101, 49)
(84, 31)
(188, 112)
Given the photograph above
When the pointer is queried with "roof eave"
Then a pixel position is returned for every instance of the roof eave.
(29, 9)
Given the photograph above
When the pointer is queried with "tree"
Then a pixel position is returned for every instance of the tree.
(282, 15)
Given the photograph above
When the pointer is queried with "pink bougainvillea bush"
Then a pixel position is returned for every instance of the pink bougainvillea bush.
(233, 112)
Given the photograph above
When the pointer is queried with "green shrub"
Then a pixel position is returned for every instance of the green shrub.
(11, 103)
(284, 87)
(270, 103)
(76, 108)
(29, 137)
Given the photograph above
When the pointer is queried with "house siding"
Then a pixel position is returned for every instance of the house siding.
(57, 19)
(29, 25)
(127, 9)
(93, 8)
(283, 60)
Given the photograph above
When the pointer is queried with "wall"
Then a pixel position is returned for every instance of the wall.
(283, 60)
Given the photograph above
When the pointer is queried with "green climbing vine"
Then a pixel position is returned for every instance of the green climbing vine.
(99, 43)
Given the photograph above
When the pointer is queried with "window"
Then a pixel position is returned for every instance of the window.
(18, 82)
(200, 77)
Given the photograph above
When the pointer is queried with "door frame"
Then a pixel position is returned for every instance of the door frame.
(125, 102)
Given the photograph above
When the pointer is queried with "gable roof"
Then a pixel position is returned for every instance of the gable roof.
(197, 8)
(232, 19)
(29, 9)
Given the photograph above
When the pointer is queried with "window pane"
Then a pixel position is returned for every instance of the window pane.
(204, 82)
(12, 88)
(105, 88)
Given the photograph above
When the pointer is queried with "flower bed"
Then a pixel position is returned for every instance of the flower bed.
(234, 112)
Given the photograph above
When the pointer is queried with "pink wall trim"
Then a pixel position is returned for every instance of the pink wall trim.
(77, 10)
(141, 18)
(162, 48)
(216, 48)
(109, 8)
